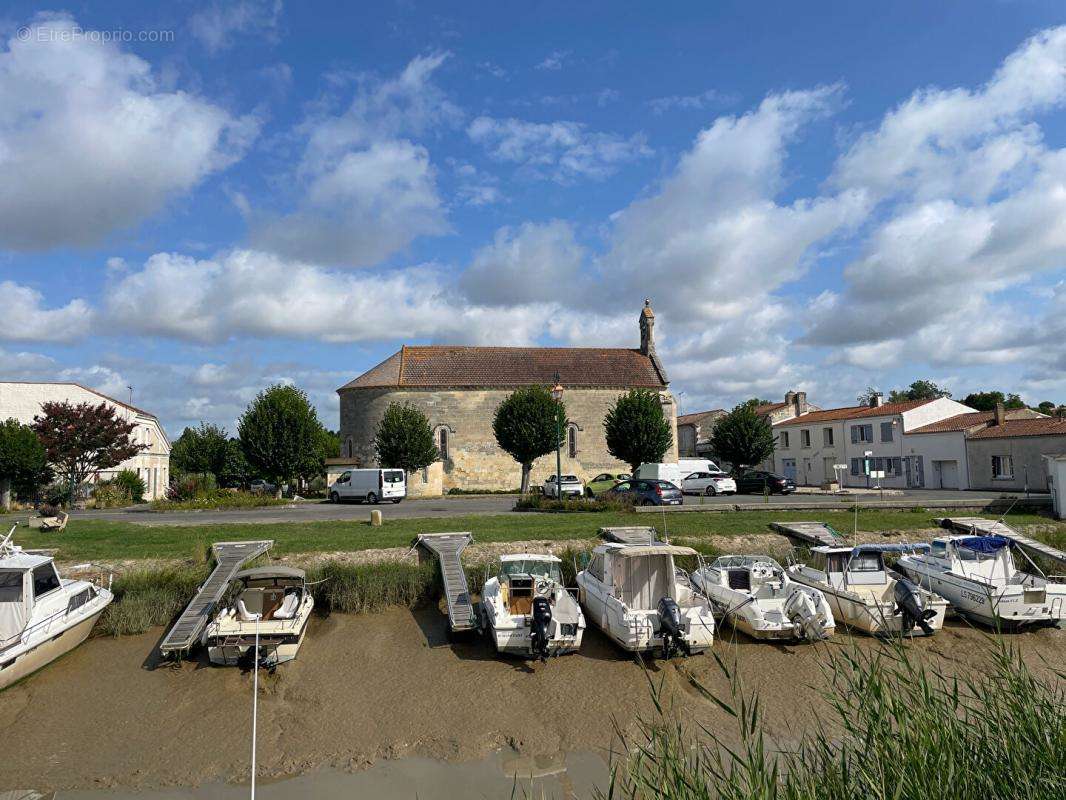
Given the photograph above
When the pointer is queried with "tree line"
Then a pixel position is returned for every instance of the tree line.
(924, 389)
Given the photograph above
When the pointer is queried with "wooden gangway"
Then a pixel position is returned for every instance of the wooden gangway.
(816, 533)
(629, 534)
(979, 526)
(447, 547)
(229, 558)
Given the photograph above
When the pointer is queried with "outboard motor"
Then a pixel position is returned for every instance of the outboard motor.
(910, 604)
(670, 628)
(539, 626)
(803, 611)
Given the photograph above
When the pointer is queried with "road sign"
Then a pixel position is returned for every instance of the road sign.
(877, 473)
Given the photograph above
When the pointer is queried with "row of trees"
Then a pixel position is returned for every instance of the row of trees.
(982, 401)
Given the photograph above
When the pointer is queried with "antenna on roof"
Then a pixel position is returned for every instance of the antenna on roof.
(131, 394)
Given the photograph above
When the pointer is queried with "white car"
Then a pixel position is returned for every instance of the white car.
(572, 485)
(709, 483)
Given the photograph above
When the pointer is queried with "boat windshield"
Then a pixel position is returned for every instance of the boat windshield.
(534, 567)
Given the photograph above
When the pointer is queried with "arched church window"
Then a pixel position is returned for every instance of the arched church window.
(349, 447)
(442, 442)
(571, 441)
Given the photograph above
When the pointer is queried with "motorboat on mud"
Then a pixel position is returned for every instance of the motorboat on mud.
(979, 577)
(758, 597)
(42, 616)
(527, 610)
(643, 601)
(865, 595)
(271, 602)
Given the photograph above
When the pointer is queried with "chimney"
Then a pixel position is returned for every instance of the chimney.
(877, 400)
(801, 403)
(647, 332)
(790, 398)
(1000, 414)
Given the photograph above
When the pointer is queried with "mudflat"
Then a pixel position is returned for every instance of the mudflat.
(389, 685)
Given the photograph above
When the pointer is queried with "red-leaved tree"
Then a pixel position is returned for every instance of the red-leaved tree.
(83, 439)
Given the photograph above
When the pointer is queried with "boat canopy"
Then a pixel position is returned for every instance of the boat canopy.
(984, 544)
(901, 547)
(268, 573)
(654, 550)
(531, 557)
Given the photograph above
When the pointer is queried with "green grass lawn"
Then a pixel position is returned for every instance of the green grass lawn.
(87, 540)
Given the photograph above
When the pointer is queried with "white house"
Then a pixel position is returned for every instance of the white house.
(22, 401)
(1056, 470)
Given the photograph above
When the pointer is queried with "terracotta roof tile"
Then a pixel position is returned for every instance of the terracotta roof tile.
(437, 365)
(698, 416)
(1040, 426)
(962, 422)
(854, 412)
(766, 408)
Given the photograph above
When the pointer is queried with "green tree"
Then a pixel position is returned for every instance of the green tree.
(527, 425)
(867, 396)
(918, 390)
(23, 462)
(201, 450)
(280, 434)
(404, 439)
(743, 438)
(236, 472)
(986, 401)
(637, 429)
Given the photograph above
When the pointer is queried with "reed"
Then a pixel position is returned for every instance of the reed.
(148, 598)
(357, 588)
(895, 727)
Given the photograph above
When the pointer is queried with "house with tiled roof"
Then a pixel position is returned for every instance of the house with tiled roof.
(694, 430)
(845, 445)
(459, 388)
(1011, 453)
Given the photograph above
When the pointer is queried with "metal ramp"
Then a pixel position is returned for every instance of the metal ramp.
(229, 558)
(630, 534)
(817, 533)
(978, 526)
(447, 548)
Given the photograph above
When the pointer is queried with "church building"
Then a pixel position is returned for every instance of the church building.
(459, 389)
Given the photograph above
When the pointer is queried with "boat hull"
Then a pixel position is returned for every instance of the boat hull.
(45, 653)
(223, 652)
(876, 619)
(516, 642)
(768, 631)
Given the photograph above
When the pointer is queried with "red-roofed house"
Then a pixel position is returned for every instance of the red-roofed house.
(1008, 454)
(459, 388)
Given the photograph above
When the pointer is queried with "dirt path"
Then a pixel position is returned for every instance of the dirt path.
(378, 686)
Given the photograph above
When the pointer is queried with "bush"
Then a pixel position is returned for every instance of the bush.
(131, 484)
(56, 494)
(192, 486)
(108, 494)
(457, 490)
(219, 499)
(538, 502)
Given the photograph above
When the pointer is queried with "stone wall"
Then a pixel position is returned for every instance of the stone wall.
(474, 460)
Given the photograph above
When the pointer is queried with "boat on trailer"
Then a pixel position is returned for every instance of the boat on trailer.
(42, 616)
(757, 596)
(271, 603)
(978, 575)
(865, 595)
(639, 597)
(527, 610)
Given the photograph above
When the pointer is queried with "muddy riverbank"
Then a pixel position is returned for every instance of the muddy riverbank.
(384, 686)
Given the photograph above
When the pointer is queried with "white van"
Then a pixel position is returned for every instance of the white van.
(690, 465)
(663, 472)
(370, 485)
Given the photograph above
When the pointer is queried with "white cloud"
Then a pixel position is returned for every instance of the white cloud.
(554, 60)
(26, 319)
(688, 102)
(217, 25)
(90, 145)
(561, 151)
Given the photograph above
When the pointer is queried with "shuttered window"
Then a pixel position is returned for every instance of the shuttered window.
(886, 431)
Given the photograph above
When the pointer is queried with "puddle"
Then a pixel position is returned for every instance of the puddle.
(503, 775)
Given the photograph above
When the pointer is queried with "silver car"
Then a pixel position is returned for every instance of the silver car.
(709, 483)
(572, 485)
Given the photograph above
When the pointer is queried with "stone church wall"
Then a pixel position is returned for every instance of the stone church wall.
(474, 460)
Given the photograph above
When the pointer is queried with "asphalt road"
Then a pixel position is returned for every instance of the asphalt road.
(464, 506)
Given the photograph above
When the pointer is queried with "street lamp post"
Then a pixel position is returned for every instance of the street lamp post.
(557, 396)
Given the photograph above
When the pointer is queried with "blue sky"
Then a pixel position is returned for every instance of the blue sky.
(819, 200)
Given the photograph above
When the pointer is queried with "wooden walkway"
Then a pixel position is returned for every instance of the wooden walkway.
(447, 547)
(817, 533)
(978, 526)
(630, 534)
(229, 558)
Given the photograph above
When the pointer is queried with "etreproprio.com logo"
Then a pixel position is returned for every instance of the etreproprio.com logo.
(76, 34)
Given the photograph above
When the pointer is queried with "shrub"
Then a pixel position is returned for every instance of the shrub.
(57, 494)
(219, 499)
(457, 490)
(129, 482)
(538, 502)
(108, 494)
(192, 486)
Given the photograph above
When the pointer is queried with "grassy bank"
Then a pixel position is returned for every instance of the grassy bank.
(87, 540)
(893, 727)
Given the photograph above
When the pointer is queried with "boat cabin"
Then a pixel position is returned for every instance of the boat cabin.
(525, 575)
(863, 565)
(746, 573)
(638, 575)
(987, 557)
(273, 593)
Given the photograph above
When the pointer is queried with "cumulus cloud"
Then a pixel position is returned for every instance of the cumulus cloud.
(217, 26)
(26, 319)
(560, 151)
(554, 60)
(90, 144)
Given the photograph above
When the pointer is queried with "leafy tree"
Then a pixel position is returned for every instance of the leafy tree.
(742, 437)
(236, 471)
(637, 429)
(868, 395)
(131, 485)
(404, 439)
(201, 450)
(83, 439)
(280, 434)
(1046, 407)
(986, 401)
(23, 461)
(527, 426)
(918, 390)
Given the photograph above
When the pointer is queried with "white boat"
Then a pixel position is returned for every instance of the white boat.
(865, 595)
(638, 597)
(758, 597)
(978, 576)
(42, 616)
(527, 610)
(273, 601)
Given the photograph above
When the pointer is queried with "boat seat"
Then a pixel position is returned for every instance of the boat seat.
(243, 613)
(287, 610)
(740, 580)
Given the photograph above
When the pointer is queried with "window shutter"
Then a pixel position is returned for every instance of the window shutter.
(854, 436)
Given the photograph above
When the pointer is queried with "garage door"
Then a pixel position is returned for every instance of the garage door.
(949, 474)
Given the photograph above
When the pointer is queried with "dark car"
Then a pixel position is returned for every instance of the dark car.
(647, 492)
(757, 481)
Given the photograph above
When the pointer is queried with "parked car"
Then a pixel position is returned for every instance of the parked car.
(572, 485)
(369, 485)
(260, 486)
(690, 465)
(756, 481)
(647, 493)
(604, 481)
(709, 483)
